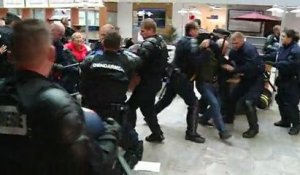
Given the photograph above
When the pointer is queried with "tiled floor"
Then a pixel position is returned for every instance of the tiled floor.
(272, 152)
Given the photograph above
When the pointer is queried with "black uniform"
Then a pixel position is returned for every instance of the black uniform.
(153, 51)
(42, 131)
(68, 78)
(287, 98)
(181, 83)
(104, 83)
(6, 68)
(251, 86)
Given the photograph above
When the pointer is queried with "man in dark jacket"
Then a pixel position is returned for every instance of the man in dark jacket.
(41, 126)
(181, 81)
(249, 67)
(104, 83)
(154, 53)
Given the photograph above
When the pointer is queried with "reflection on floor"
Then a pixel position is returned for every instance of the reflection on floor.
(272, 152)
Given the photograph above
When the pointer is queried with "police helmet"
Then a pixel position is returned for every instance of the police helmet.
(94, 123)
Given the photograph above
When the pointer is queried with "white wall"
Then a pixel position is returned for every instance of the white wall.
(125, 19)
(292, 22)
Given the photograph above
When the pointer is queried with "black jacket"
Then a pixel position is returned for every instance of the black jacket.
(154, 54)
(186, 53)
(6, 68)
(105, 78)
(288, 61)
(247, 62)
(53, 141)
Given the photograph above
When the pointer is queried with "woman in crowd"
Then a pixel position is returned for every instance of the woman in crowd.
(288, 65)
(77, 46)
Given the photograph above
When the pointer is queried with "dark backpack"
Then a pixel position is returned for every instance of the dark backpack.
(161, 52)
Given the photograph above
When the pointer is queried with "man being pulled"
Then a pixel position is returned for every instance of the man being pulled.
(209, 67)
(249, 67)
(181, 81)
(41, 125)
(104, 83)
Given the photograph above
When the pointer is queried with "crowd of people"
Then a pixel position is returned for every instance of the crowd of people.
(45, 130)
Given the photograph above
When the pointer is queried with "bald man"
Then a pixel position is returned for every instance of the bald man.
(57, 30)
(98, 47)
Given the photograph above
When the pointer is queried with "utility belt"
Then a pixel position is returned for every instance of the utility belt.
(116, 111)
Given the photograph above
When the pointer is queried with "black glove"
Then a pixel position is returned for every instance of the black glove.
(58, 67)
(112, 127)
(109, 140)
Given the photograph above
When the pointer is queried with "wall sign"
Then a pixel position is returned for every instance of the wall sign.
(61, 3)
(13, 4)
(36, 3)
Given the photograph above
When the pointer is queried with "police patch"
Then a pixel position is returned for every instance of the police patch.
(12, 122)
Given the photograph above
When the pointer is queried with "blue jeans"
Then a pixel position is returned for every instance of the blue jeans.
(209, 94)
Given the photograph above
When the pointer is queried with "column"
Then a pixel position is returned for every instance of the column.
(102, 16)
(26, 13)
(74, 16)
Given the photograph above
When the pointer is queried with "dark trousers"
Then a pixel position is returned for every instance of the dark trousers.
(180, 85)
(119, 112)
(143, 97)
(248, 91)
(287, 99)
(210, 97)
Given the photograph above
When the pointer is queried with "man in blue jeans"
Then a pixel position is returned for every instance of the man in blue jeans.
(205, 83)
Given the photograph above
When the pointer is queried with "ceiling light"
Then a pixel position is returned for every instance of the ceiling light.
(297, 10)
(183, 11)
(275, 8)
(195, 11)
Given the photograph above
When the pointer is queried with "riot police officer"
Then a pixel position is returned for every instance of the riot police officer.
(288, 94)
(181, 81)
(153, 51)
(6, 67)
(104, 83)
(249, 67)
(41, 126)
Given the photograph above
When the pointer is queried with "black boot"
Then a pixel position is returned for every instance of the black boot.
(252, 120)
(294, 130)
(283, 124)
(155, 137)
(192, 124)
(157, 134)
